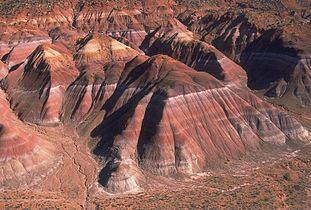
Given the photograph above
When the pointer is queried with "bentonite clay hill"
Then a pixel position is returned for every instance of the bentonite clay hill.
(274, 49)
(103, 98)
(25, 157)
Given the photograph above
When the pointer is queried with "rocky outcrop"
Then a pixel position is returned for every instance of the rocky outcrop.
(25, 158)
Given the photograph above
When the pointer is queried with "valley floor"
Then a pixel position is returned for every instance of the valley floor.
(282, 182)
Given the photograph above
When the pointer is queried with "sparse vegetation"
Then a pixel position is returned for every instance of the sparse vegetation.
(198, 3)
(264, 188)
(282, 184)
(12, 7)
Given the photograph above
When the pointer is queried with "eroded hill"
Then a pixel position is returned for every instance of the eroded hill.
(105, 98)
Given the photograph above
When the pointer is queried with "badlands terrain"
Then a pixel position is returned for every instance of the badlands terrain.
(155, 104)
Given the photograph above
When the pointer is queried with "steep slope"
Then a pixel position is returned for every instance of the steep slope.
(273, 48)
(280, 66)
(16, 43)
(182, 45)
(25, 158)
(101, 60)
(80, 66)
(231, 33)
(37, 87)
(166, 118)
(3, 70)
(101, 49)
(66, 36)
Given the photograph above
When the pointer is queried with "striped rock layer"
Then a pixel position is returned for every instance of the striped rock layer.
(25, 158)
(149, 95)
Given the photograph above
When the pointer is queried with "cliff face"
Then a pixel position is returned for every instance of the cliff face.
(149, 96)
